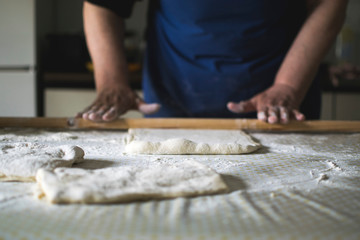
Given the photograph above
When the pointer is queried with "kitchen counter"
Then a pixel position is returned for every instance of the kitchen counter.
(297, 186)
(80, 80)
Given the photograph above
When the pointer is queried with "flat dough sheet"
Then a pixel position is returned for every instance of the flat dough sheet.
(129, 183)
(189, 141)
(20, 161)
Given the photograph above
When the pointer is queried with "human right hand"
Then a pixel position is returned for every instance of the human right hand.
(277, 104)
(111, 103)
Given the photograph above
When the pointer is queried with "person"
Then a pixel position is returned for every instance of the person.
(211, 59)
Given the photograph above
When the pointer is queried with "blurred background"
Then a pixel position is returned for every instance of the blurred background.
(45, 68)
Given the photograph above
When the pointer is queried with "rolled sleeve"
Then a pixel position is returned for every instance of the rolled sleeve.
(123, 8)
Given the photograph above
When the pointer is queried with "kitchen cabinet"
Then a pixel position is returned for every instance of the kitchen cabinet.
(341, 106)
(17, 58)
(17, 93)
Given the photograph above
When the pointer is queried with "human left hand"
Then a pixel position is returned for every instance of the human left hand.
(277, 104)
(114, 101)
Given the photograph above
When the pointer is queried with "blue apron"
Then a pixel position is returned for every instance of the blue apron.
(202, 54)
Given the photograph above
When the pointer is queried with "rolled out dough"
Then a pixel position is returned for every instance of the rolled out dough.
(20, 161)
(189, 141)
(129, 183)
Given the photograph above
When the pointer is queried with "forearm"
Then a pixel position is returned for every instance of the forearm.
(300, 65)
(104, 32)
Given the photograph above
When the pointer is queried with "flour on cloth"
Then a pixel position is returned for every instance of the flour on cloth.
(189, 141)
(20, 161)
(129, 183)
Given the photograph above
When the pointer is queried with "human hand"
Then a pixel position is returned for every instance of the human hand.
(346, 71)
(279, 103)
(111, 103)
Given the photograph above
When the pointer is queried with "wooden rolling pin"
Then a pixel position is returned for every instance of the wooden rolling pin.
(186, 123)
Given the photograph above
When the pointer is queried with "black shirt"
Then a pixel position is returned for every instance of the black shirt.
(123, 8)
